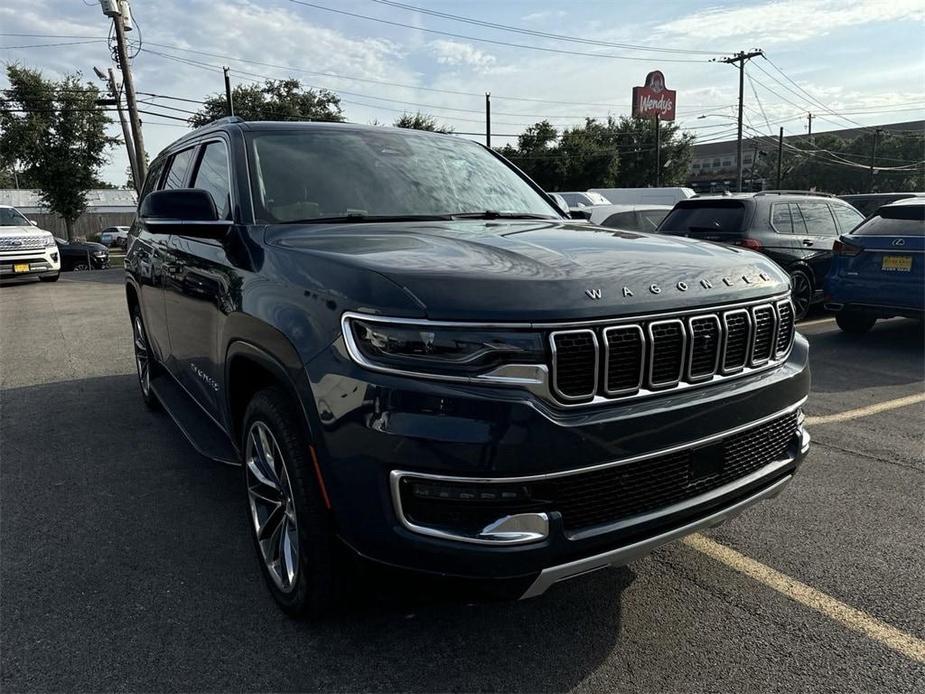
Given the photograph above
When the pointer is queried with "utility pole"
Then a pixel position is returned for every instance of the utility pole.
(740, 58)
(488, 119)
(809, 118)
(780, 157)
(873, 158)
(119, 10)
(116, 94)
(658, 152)
(228, 100)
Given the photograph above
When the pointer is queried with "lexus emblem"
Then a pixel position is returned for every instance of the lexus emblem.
(594, 293)
(899, 242)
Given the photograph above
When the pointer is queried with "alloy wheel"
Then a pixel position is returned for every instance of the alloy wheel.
(273, 511)
(142, 356)
(81, 267)
(802, 294)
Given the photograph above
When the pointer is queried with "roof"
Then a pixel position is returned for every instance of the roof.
(98, 200)
(765, 141)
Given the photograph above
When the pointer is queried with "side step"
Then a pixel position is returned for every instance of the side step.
(203, 434)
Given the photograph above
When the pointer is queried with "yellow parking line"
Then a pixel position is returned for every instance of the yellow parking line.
(868, 410)
(856, 620)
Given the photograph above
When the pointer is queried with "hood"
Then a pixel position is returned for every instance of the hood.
(539, 270)
(22, 230)
(91, 246)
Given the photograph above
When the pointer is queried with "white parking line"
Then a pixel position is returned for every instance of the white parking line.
(868, 410)
(856, 620)
(817, 321)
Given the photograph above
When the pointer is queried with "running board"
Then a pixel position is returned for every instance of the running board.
(203, 434)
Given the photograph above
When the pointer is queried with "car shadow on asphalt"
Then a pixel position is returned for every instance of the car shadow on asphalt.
(890, 354)
(124, 547)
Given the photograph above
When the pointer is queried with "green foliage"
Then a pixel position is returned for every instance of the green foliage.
(421, 121)
(284, 100)
(601, 154)
(837, 165)
(57, 134)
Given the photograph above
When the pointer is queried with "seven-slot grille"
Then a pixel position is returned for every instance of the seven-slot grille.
(627, 358)
(615, 493)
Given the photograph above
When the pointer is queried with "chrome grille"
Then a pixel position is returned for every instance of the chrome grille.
(659, 354)
(624, 347)
(703, 356)
(21, 243)
(574, 370)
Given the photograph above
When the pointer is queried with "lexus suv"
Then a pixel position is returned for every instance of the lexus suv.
(795, 229)
(419, 361)
(24, 250)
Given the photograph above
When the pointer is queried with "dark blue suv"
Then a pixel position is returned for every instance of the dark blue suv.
(419, 362)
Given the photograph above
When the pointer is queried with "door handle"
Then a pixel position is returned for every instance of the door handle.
(807, 242)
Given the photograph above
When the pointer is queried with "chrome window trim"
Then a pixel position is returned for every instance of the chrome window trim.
(719, 347)
(395, 476)
(651, 361)
(748, 341)
(775, 322)
(780, 355)
(555, 362)
(642, 360)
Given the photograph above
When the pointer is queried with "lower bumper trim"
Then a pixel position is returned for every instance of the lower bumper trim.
(626, 554)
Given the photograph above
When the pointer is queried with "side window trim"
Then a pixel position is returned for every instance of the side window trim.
(796, 212)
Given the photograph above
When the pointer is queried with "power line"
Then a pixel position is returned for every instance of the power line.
(541, 34)
(51, 45)
(507, 44)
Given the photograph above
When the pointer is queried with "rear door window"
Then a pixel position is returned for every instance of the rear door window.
(848, 218)
(818, 218)
(151, 179)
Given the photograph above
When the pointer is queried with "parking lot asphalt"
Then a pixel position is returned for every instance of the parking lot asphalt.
(126, 564)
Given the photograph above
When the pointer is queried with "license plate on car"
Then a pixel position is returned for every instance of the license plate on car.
(897, 263)
(20, 267)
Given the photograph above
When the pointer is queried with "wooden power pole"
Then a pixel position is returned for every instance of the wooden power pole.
(740, 58)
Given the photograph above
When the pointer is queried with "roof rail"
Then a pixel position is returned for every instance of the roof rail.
(795, 192)
(226, 119)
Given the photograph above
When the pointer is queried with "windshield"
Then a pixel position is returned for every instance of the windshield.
(10, 217)
(343, 173)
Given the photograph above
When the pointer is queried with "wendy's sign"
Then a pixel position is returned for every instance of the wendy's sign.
(654, 99)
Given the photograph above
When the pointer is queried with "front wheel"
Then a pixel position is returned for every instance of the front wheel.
(144, 360)
(854, 323)
(291, 526)
(801, 293)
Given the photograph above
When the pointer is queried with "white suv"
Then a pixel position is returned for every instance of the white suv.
(25, 250)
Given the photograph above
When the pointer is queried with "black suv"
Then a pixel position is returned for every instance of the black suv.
(420, 362)
(796, 230)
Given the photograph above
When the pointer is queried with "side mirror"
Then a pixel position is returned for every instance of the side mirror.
(183, 211)
(584, 214)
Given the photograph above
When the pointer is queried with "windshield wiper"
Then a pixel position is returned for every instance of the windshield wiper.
(494, 214)
(366, 218)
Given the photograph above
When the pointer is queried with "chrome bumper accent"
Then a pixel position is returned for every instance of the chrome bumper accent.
(624, 555)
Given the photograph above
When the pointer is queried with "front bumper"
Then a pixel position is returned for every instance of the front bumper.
(371, 425)
(39, 262)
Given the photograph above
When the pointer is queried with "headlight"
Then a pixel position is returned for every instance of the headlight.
(49, 241)
(438, 349)
(100, 254)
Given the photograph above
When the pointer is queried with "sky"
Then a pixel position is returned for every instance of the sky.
(861, 62)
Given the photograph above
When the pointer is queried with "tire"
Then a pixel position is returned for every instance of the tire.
(50, 278)
(145, 364)
(80, 267)
(802, 287)
(290, 525)
(854, 323)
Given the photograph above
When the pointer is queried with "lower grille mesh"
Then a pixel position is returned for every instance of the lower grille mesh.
(619, 492)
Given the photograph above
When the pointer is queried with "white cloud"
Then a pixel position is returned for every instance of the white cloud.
(543, 15)
(791, 20)
(458, 53)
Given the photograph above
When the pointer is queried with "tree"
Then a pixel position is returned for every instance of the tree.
(536, 155)
(421, 121)
(273, 100)
(57, 133)
(636, 139)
